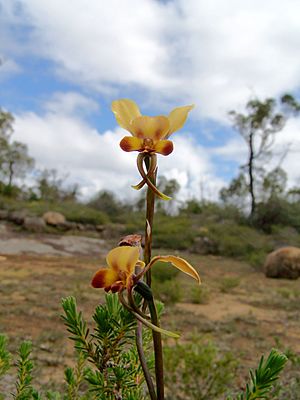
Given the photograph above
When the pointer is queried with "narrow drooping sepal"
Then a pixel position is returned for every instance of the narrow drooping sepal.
(181, 264)
(152, 170)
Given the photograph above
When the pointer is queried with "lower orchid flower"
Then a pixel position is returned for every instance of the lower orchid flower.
(123, 261)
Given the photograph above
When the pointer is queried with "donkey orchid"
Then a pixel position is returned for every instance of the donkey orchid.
(122, 261)
(149, 134)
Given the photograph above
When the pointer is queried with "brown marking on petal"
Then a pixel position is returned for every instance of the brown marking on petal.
(98, 280)
(125, 145)
(130, 143)
(164, 147)
(158, 134)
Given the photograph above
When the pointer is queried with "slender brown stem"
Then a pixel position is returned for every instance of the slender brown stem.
(139, 345)
(158, 352)
(150, 201)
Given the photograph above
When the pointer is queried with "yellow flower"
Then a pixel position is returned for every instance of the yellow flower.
(122, 261)
(149, 134)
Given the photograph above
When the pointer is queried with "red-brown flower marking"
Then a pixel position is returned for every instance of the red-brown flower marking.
(119, 275)
(149, 134)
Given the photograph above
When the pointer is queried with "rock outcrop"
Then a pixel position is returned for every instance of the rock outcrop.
(54, 218)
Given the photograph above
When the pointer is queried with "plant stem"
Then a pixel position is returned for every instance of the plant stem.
(157, 344)
(139, 345)
(150, 200)
(159, 365)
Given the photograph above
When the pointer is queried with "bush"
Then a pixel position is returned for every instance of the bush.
(198, 370)
(173, 232)
(229, 283)
(238, 240)
(74, 212)
(168, 291)
(200, 294)
(163, 272)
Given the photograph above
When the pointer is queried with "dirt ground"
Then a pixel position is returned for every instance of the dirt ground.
(243, 311)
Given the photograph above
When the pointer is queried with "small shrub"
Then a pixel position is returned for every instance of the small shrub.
(229, 283)
(200, 294)
(198, 371)
(163, 272)
(168, 291)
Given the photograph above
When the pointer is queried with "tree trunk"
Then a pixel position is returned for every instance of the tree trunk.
(11, 174)
(251, 175)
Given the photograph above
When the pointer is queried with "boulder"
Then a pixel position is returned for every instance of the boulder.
(283, 263)
(54, 218)
(17, 217)
(34, 224)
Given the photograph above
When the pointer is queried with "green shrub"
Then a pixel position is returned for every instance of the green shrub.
(229, 283)
(168, 291)
(238, 240)
(162, 271)
(173, 232)
(198, 371)
(199, 294)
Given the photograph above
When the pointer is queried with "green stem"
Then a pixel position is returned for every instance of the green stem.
(158, 352)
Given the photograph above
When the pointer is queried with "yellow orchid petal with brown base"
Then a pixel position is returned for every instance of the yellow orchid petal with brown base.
(121, 263)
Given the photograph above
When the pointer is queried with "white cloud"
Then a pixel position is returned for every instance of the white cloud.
(213, 53)
(70, 103)
(67, 143)
(8, 67)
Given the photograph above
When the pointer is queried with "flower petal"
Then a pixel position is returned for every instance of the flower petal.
(181, 264)
(154, 128)
(105, 277)
(177, 118)
(123, 258)
(125, 111)
(164, 147)
(129, 143)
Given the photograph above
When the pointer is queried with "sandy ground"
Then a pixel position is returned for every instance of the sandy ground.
(36, 271)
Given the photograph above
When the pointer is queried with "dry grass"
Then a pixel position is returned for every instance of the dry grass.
(248, 318)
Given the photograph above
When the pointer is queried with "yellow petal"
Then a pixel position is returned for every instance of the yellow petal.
(177, 118)
(181, 264)
(125, 111)
(154, 128)
(105, 277)
(123, 258)
(164, 147)
(130, 143)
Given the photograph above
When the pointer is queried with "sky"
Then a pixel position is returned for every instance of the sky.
(63, 63)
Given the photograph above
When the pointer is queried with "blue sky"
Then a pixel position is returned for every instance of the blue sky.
(64, 62)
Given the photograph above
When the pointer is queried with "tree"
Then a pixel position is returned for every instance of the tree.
(235, 194)
(274, 184)
(258, 127)
(106, 202)
(15, 161)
